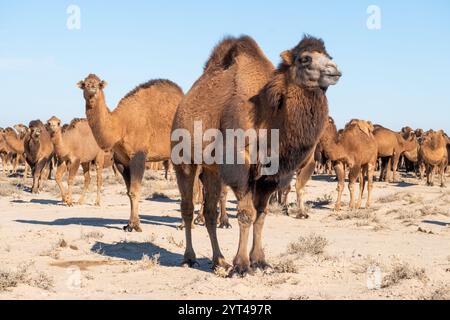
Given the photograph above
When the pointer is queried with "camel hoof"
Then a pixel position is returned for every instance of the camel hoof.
(97, 204)
(302, 216)
(129, 228)
(190, 263)
(263, 266)
(221, 263)
(241, 270)
(225, 225)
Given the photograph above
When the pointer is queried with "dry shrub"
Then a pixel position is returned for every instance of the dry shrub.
(172, 240)
(286, 266)
(148, 263)
(403, 271)
(23, 275)
(313, 244)
(87, 236)
(441, 293)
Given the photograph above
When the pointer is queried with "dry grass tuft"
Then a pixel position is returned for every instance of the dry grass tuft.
(313, 244)
(441, 293)
(92, 235)
(172, 240)
(148, 263)
(221, 272)
(286, 266)
(22, 275)
(403, 271)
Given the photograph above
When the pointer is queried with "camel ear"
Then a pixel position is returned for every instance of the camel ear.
(287, 57)
(80, 84)
(103, 84)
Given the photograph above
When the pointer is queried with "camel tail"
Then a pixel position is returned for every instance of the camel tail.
(224, 54)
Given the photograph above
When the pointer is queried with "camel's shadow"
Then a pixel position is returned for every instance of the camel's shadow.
(134, 251)
(438, 223)
(107, 222)
(40, 201)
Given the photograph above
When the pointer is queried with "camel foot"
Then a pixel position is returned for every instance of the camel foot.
(225, 225)
(97, 204)
(130, 228)
(262, 265)
(190, 263)
(302, 215)
(241, 268)
(221, 263)
(285, 211)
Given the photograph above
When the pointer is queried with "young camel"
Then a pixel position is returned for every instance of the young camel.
(75, 146)
(138, 130)
(391, 145)
(433, 153)
(240, 89)
(38, 153)
(355, 148)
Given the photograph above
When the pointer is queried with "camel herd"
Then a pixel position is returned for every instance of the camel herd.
(239, 89)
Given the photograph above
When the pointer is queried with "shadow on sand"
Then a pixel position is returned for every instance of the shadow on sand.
(437, 223)
(134, 251)
(105, 222)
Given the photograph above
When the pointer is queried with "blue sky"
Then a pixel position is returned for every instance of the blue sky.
(394, 76)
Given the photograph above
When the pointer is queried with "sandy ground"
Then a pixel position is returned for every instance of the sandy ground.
(398, 249)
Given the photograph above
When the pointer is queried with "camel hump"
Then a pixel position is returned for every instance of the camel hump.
(224, 54)
(365, 126)
(154, 83)
(73, 124)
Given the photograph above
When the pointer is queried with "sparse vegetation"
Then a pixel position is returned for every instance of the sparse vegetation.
(313, 244)
(178, 244)
(403, 271)
(147, 263)
(286, 266)
(23, 275)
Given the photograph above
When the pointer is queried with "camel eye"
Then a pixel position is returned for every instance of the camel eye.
(305, 60)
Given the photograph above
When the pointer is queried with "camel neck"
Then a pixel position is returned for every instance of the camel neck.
(58, 143)
(102, 122)
(332, 146)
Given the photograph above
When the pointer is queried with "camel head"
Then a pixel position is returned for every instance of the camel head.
(310, 65)
(36, 128)
(53, 125)
(21, 129)
(91, 86)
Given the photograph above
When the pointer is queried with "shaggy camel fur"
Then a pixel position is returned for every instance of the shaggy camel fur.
(240, 89)
(391, 145)
(38, 153)
(138, 130)
(433, 153)
(15, 143)
(71, 153)
(355, 148)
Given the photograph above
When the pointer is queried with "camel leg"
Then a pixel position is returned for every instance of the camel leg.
(87, 181)
(362, 184)
(429, 174)
(257, 257)
(37, 171)
(44, 175)
(395, 167)
(353, 174)
(58, 178)
(442, 173)
(186, 175)
(136, 174)
(213, 189)
(303, 176)
(73, 169)
(198, 196)
(223, 219)
(340, 175)
(370, 175)
(388, 169)
(99, 164)
(246, 217)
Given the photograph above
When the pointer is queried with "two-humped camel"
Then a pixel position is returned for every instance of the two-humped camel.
(138, 130)
(74, 147)
(240, 89)
(355, 148)
(434, 155)
(38, 153)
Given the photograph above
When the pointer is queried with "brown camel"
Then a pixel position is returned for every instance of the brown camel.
(240, 89)
(74, 147)
(14, 140)
(391, 145)
(38, 153)
(138, 130)
(4, 151)
(433, 153)
(356, 148)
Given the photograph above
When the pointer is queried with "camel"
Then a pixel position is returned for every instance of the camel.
(241, 89)
(356, 148)
(391, 145)
(4, 151)
(38, 153)
(14, 139)
(433, 153)
(74, 147)
(138, 130)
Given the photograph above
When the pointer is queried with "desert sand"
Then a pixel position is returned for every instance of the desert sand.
(398, 249)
